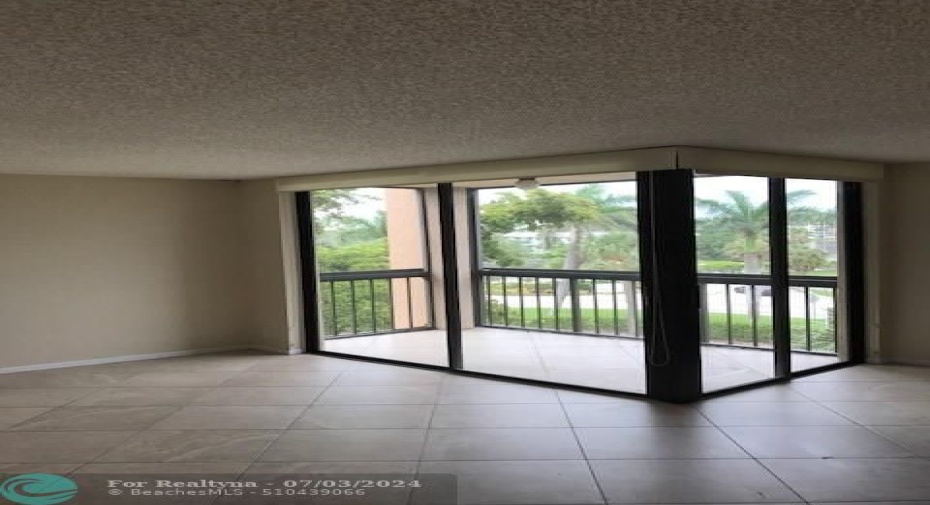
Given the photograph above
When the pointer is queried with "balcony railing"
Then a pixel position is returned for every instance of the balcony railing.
(598, 303)
(735, 309)
(375, 302)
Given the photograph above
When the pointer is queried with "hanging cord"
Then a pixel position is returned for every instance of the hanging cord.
(658, 336)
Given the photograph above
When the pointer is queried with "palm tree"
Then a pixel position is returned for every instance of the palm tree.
(748, 223)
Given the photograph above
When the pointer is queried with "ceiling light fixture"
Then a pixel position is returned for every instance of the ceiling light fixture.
(526, 183)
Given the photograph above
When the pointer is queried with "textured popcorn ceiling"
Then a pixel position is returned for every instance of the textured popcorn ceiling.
(253, 88)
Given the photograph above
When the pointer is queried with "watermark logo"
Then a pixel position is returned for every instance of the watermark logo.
(38, 489)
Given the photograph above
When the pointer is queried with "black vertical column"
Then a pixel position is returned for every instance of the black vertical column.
(308, 280)
(778, 250)
(854, 268)
(670, 289)
(450, 274)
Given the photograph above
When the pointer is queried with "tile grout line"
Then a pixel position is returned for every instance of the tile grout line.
(258, 457)
(867, 427)
(419, 465)
(12, 429)
(547, 374)
(95, 391)
(107, 450)
(248, 464)
(903, 447)
(429, 424)
(755, 459)
(584, 454)
(95, 459)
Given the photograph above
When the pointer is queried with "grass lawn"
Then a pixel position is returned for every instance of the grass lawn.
(739, 331)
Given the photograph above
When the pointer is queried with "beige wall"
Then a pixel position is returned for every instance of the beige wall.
(406, 249)
(104, 267)
(906, 264)
(101, 267)
(462, 251)
(267, 292)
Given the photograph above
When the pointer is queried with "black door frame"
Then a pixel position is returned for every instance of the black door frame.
(671, 317)
(778, 271)
(666, 224)
(849, 201)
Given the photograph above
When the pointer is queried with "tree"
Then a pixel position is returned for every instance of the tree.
(576, 217)
(349, 243)
(349, 230)
(327, 202)
(803, 258)
(503, 252)
(370, 255)
(747, 224)
(327, 206)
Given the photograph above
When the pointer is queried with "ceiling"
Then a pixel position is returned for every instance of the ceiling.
(259, 88)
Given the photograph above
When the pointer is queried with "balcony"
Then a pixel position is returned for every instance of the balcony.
(594, 339)
(547, 286)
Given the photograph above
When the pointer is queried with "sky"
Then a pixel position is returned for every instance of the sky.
(712, 188)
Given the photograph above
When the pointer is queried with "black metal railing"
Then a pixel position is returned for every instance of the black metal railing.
(375, 302)
(735, 308)
(599, 303)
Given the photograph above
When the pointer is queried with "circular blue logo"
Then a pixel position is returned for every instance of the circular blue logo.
(38, 489)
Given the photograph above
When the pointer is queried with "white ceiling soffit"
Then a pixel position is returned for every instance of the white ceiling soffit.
(594, 163)
(710, 161)
(725, 162)
(272, 88)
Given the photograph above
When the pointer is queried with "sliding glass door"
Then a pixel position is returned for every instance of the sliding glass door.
(732, 225)
(556, 288)
(764, 244)
(373, 273)
(816, 266)
(661, 283)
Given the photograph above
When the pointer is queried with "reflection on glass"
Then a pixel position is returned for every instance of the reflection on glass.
(814, 261)
(558, 287)
(733, 260)
(375, 291)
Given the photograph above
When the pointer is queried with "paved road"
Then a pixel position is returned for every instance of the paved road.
(716, 300)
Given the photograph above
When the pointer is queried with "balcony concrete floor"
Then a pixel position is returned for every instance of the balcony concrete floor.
(601, 362)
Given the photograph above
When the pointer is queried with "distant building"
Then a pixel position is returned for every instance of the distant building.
(823, 237)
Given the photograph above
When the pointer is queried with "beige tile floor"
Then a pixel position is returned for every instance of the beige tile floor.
(601, 362)
(857, 435)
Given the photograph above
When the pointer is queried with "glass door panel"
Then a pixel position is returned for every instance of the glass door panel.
(814, 262)
(555, 292)
(546, 282)
(375, 281)
(734, 278)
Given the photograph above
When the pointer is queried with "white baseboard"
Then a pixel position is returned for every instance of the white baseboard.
(907, 361)
(275, 350)
(120, 359)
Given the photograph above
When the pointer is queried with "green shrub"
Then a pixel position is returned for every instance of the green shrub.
(740, 330)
